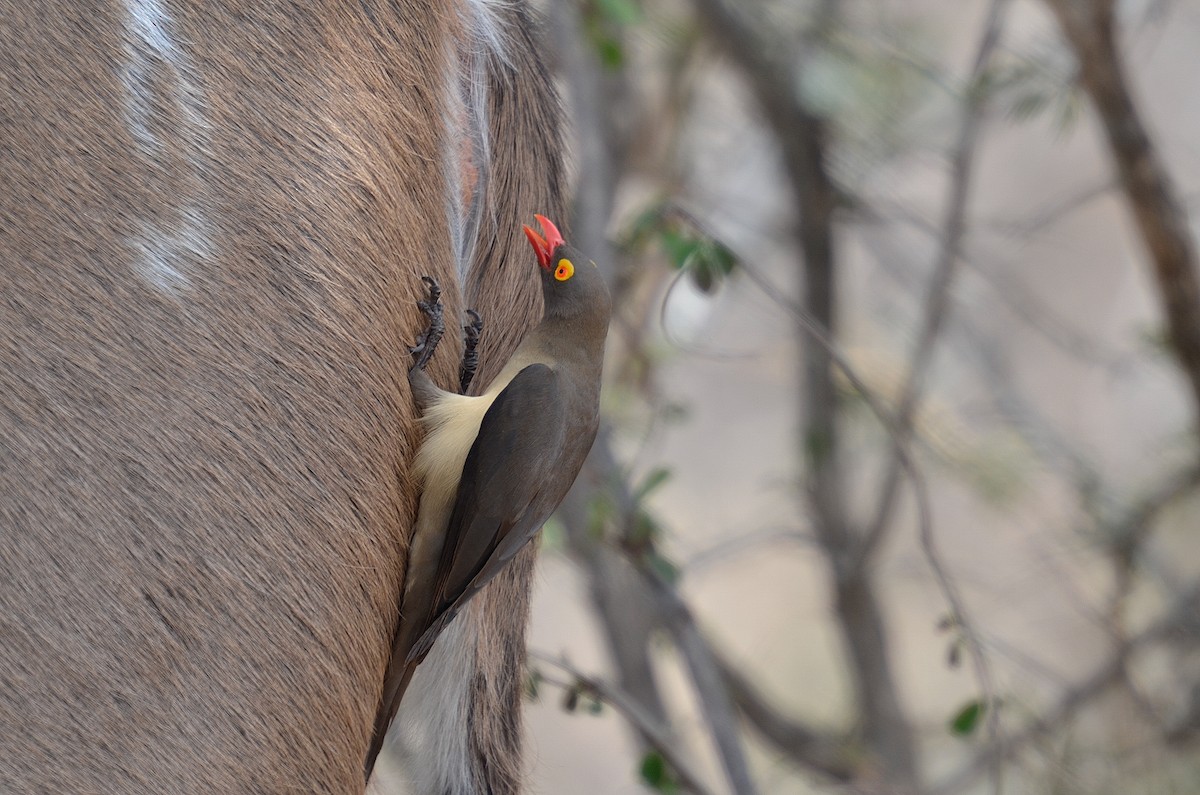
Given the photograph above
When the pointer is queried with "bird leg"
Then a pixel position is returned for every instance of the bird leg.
(470, 360)
(428, 340)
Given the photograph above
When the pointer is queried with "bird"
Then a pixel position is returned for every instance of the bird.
(495, 466)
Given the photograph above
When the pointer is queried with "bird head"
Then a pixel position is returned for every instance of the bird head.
(572, 285)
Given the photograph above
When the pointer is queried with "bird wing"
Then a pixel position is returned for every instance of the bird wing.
(496, 510)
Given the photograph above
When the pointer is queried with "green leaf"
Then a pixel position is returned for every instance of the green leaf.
(709, 263)
(721, 257)
(554, 535)
(1028, 105)
(644, 226)
(673, 413)
(663, 567)
(571, 699)
(679, 247)
(604, 21)
(967, 719)
(657, 477)
(600, 510)
(620, 12)
(644, 530)
(657, 774)
(818, 445)
(533, 684)
(954, 654)
(704, 279)
(1156, 338)
(1070, 110)
(612, 54)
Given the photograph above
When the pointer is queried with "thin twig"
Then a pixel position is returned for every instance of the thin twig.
(735, 544)
(937, 303)
(1125, 541)
(673, 614)
(834, 756)
(1051, 212)
(647, 725)
(686, 347)
(1026, 304)
(711, 690)
(920, 489)
(603, 149)
(886, 418)
(1130, 531)
(770, 63)
(936, 309)
(663, 606)
(1181, 618)
(621, 604)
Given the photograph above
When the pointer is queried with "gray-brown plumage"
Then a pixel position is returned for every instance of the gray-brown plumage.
(494, 467)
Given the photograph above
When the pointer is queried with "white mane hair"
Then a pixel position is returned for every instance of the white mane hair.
(479, 48)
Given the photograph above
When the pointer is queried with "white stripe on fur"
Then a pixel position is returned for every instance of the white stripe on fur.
(155, 64)
(468, 150)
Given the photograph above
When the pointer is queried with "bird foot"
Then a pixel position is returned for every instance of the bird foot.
(470, 360)
(428, 340)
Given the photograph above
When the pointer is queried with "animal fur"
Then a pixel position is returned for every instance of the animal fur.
(213, 219)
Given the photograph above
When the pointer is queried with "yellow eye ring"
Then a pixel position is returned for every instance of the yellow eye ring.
(565, 270)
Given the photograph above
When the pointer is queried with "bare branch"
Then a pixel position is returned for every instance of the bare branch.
(617, 597)
(1158, 212)
(1051, 212)
(1182, 618)
(937, 304)
(1126, 536)
(1125, 539)
(824, 753)
(736, 544)
(711, 690)
(936, 308)
(830, 755)
(768, 61)
(1024, 303)
(621, 603)
(631, 708)
(666, 608)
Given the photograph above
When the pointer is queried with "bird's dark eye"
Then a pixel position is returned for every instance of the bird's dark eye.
(565, 270)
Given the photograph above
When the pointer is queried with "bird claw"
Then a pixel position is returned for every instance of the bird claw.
(470, 360)
(428, 340)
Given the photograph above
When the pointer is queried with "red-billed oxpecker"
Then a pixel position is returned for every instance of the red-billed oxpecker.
(494, 467)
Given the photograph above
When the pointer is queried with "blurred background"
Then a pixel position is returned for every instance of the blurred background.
(897, 486)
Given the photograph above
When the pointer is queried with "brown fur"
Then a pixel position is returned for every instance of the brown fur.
(525, 141)
(526, 138)
(204, 495)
